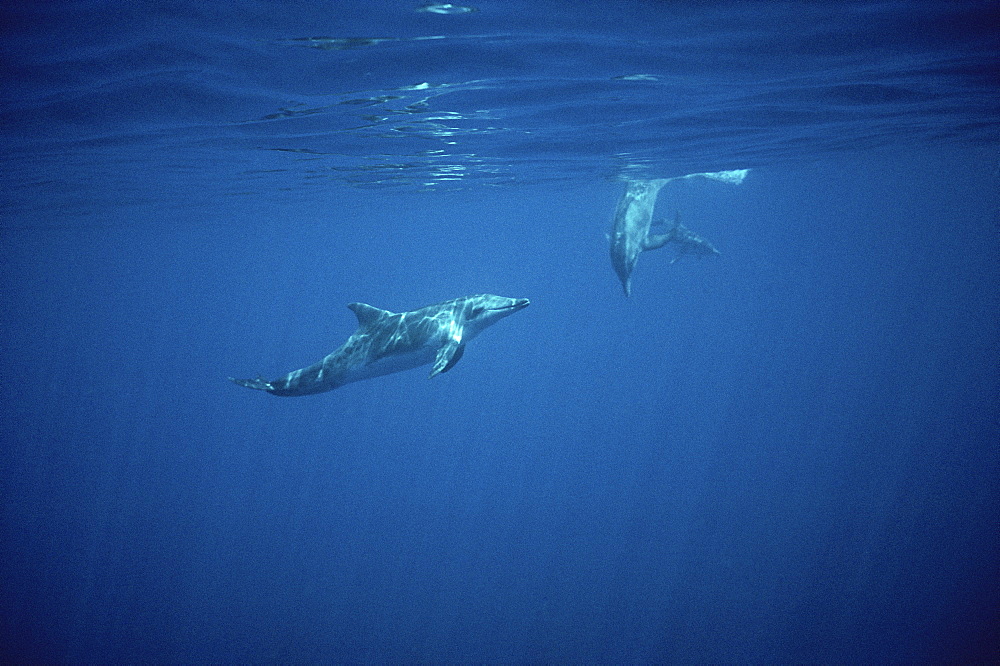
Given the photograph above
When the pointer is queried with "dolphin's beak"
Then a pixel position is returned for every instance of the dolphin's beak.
(517, 304)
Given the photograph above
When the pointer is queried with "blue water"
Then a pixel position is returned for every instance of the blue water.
(788, 453)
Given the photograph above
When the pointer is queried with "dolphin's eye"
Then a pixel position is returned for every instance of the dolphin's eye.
(476, 311)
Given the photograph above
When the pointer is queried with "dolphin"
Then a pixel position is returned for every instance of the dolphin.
(687, 241)
(634, 216)
(630, 229)
(387, 342)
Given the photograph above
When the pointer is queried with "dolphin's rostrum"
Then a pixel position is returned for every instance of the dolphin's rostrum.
(387, 342)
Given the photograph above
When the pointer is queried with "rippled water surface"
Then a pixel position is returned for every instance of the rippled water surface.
(780, 448)
(393, 95)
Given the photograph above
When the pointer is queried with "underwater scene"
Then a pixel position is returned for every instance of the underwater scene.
(547, 332)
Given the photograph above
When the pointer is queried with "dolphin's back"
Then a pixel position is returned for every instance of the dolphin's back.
(386, 342)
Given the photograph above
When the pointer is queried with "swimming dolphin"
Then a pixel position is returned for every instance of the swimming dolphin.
(388, 342)
(633, 217)
(630, 229)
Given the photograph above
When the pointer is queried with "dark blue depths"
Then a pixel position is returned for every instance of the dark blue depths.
(784, 453)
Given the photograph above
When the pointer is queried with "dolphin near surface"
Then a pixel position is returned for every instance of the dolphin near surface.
(630, 230)
(387, 342)
(633, 218)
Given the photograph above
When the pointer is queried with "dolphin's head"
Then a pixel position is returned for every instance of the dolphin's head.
(624, 271)
(623, 259)
(481, 311)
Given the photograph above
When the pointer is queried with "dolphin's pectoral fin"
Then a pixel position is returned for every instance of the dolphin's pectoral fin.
(708, 249)
(258, 383)
(447, 357)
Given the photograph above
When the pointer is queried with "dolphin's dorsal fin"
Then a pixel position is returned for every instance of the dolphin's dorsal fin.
(367, 314)
(447, 357)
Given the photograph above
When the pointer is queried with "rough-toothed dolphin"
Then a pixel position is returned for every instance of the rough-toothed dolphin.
(634, 215)
(388, 342)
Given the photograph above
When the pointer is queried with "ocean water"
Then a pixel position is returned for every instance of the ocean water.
(788, 453)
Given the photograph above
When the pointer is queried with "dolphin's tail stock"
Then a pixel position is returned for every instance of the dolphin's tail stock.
(258, 383)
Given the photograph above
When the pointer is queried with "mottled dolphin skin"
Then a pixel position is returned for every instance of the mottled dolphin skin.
(630, 229)
(388, 342)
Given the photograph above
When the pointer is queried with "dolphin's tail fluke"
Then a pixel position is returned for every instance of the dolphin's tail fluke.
(258, 383)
